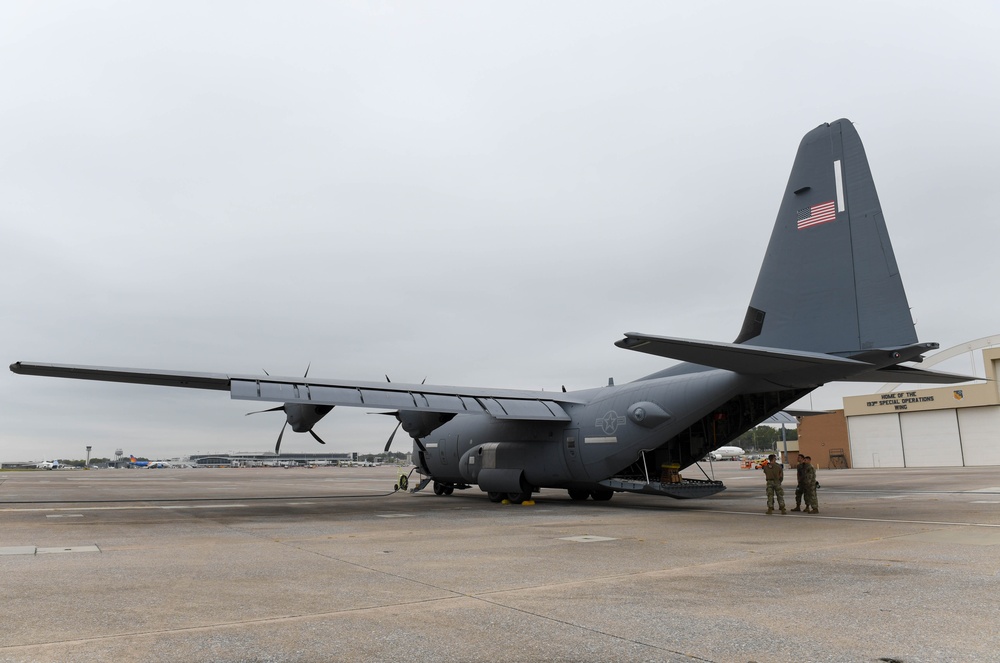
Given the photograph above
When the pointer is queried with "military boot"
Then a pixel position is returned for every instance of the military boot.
(797, 508)
(783, 512)
(770, 511)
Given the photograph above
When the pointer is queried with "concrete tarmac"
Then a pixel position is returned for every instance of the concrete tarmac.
(327, 564)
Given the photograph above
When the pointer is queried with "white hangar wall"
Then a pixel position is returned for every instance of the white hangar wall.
(876, 441)
(980, 428)
(939, 427)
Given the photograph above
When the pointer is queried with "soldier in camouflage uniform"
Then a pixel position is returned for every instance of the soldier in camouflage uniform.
(774, 473)
(811, 500)
(800, 483)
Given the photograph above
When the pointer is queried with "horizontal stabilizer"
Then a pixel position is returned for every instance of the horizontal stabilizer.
(790, 367)
(909, 375)
(745, 359)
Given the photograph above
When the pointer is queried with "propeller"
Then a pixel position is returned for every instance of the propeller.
(389, 441)
(302, 417)
(398, 424)
(395, 430)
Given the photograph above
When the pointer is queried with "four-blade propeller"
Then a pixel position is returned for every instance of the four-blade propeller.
(301, 417)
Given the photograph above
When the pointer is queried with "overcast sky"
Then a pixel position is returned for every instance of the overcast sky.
(483, 194)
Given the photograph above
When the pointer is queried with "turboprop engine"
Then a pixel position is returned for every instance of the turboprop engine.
(301, 416)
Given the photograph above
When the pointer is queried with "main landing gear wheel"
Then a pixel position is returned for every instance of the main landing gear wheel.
(602, 495)
(578, 495)
(443, 488)
(496, 498)
(517, 498)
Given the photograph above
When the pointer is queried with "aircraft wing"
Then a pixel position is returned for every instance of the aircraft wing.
(510, 404)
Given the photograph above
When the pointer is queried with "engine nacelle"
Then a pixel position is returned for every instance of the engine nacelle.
(302, 417)
(421, 424)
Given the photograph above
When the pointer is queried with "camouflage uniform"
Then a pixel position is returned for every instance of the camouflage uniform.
(810, 488)
(800, 485)
(774, 473)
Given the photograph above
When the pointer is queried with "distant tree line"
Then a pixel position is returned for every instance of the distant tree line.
(763, 438)
(94, 461)
(390, 457)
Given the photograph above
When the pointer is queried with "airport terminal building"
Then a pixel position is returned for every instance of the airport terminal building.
(951, 426)
(264, 458)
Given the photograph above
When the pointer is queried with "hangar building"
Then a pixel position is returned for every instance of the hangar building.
(950, 426)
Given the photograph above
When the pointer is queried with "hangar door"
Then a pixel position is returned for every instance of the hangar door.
(931, 439)
(980, 427)
(876, 441)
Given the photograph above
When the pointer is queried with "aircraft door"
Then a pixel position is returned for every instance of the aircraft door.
(448, 450)
(572, 450)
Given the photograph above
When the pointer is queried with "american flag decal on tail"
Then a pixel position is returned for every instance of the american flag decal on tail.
(815, 215)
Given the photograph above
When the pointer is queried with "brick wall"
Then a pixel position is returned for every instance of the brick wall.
(821, 433)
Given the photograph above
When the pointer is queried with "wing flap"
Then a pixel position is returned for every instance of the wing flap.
(524, 410)
(389, 396)
(340, 395)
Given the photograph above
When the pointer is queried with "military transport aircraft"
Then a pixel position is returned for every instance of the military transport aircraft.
(828, 305)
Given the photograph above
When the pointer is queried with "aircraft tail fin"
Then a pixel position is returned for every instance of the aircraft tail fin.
(829, 281)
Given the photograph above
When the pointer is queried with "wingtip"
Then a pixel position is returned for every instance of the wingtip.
(627, 341)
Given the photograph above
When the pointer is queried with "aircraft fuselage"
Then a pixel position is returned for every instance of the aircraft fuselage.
(607, 434)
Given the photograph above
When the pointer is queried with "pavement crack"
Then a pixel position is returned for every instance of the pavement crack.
(457, 594)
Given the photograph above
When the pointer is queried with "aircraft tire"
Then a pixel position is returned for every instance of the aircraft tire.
(448, 490)
(497, 497)
(578, 495)
(438, 488)
(602, 495)
(517, 498)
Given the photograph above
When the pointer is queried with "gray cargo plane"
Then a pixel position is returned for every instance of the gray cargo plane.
(828, 305)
